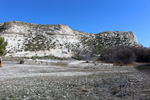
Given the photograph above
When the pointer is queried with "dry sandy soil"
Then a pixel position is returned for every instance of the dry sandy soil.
(72, 80)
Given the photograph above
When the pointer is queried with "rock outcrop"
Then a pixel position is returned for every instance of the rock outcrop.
(27, 39)
(112, 38)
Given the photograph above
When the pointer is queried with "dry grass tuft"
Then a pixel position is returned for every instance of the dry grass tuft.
(63, 64)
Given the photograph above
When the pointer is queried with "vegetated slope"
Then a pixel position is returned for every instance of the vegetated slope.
(27, 39)
(112, 38)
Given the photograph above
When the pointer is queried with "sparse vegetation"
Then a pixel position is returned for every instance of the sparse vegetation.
(93, 87)
(3, 51)
(21, 61)
(3, 45)
(62, 64)
(125, 55)
(142, 54)
(95, 44)
(48, 57)
(62, 80)
(36, 43)
(118, 54)
(85, 54)
(1, 29)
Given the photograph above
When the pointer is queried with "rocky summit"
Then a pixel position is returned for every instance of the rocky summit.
(28, 39)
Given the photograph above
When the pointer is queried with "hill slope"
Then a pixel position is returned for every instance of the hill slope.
(27, 39)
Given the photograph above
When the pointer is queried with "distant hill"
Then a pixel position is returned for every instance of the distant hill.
(28, 39)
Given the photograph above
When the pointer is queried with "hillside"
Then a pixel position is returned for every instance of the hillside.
(28, 39)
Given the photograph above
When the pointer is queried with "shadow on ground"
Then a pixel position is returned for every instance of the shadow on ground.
(143, 68)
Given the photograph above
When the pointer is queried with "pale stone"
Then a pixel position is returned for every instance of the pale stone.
(59, 40)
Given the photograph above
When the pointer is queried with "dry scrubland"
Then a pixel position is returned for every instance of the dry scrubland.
(73, 80)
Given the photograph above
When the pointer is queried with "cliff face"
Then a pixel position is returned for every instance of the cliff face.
(120, 34)
(21, 27)
(27, 39)
(112, 38)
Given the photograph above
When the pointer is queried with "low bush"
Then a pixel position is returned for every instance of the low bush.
(107, 55)
(85, 54)
(125, 55)
(118, 54)
(142, 54)
(21, 61)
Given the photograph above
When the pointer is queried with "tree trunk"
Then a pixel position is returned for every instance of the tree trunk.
(1, 62)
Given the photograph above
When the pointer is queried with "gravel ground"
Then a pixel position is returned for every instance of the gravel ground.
(72, 80)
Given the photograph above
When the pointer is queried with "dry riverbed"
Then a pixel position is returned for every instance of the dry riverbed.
(72, 80)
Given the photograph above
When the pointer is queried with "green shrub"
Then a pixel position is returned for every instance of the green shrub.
(33, 57)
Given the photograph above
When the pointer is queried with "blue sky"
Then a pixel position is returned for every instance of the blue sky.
(93, 16)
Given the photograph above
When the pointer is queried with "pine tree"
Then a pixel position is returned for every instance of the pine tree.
(3, 51)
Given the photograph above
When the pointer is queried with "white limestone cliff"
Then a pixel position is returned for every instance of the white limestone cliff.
(27, 39)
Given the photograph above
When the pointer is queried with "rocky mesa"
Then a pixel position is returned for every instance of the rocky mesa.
(28, 39)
